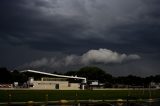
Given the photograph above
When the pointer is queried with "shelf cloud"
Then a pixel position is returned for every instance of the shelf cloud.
(103, 56)
(106, 56)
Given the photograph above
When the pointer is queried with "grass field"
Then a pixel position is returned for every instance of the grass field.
(54, 95)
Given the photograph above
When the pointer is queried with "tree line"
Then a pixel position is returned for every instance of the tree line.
(91, 73)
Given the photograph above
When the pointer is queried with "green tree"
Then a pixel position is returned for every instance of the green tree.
(5, 75)
(18, 77)
(94, 73)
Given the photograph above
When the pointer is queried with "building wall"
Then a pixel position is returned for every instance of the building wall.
(72, 86)
(53, 85)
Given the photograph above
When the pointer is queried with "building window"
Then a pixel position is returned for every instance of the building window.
(69, 84)
(57, 86)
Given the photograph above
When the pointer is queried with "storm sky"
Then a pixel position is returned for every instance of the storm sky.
(120, 36)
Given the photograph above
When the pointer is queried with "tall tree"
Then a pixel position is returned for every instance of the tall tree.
(94, 73)
(5, 75)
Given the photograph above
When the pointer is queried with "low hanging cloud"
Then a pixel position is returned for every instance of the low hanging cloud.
(102, 56)
(106, 56)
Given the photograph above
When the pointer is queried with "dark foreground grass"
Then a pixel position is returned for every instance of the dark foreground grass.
(54, 95)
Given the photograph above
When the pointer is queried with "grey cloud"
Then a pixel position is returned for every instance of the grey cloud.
(106, 56)
(60, 22)
(103, 56)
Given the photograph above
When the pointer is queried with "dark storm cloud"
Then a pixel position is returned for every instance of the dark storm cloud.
(28, 26)
(56, 25)
(143, 37)
(77, 26)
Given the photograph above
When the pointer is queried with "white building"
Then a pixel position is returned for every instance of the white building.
(155, 85)
(58, 83)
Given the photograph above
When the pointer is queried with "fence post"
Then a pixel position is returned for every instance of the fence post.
(9, 99)
(46, 97)
(76, 98)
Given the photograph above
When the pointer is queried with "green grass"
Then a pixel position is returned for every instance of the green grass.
(53, 95)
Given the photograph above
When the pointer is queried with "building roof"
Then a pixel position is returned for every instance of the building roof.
(55, 75)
